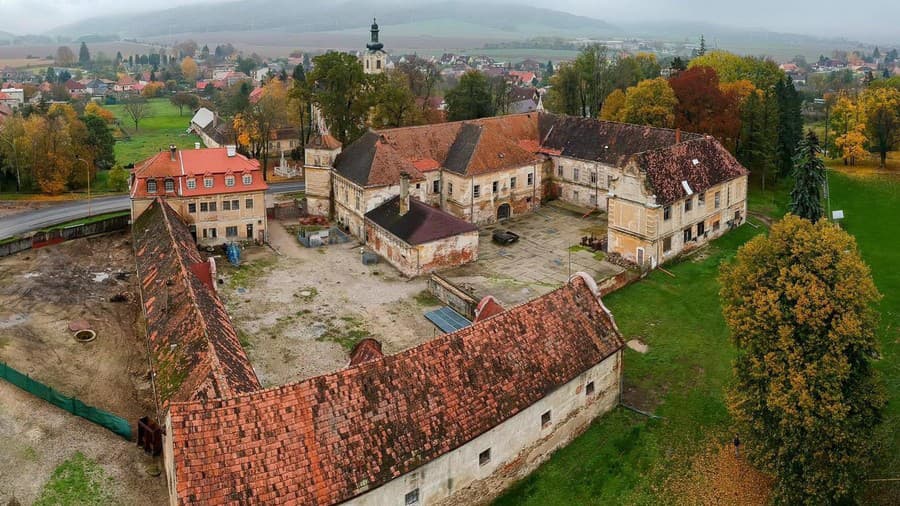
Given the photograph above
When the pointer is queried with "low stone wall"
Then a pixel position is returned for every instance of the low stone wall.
(57, 235)
(453, 296)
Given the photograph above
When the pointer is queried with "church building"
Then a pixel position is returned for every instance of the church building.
(375, 59)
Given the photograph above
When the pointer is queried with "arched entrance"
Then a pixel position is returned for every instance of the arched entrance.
(503, 211)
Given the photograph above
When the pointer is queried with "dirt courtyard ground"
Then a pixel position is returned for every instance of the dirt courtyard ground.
(41, 291)
(300, 312)
(545, 256)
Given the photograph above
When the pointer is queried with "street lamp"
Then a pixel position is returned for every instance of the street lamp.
(87, 168)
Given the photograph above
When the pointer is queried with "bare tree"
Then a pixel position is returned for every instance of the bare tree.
(137, 109)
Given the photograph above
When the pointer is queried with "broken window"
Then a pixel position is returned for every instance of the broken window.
(701, 227)
(559, 171)
(512, 182)
(593, 177)
(575, 174)
(530, 178)
(589, 389)
(484, 457)
(495, 186)
(701, 200)
(435, 187)
(476, 191)
(687, 234)
(545, 419)
(667, 213)
(715, 226)
(412, 498)
(667, 244)
(449, 188)
(688, 204)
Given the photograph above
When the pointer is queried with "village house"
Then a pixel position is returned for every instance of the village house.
(491, 169)
(218, 192)
(460, 416)
(213, 131)
(12, 97)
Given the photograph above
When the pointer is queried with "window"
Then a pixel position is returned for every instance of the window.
(229, 180)
(235, 204)
(204, 207)
(412, 498)
(575, 174)
(449, 188)
(575, 195)
(192, 208)
(213, 233)
(589, 388)
(718, 199)
(484, 457)
(728, 197)
(512, 183)
(226, 205)
(559, 171)
(377, 64)
(701, 227)
(357, 202)
(418, 186)
(207, 182)
(715, 226)
(212, 207)
(248, 204)
(192, 184)
(230, 231)
(151, 186)
(667, 244)
(594, 177)
(545, 419)
(495, 186)
(667, 213)
(170, 185)
(701, 200)
(476, 191)
(688, 204)
(530, 178)
(436, 186)
(247, 179)
(593, 199)
(687, 234)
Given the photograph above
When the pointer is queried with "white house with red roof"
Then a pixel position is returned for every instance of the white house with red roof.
(218, 192)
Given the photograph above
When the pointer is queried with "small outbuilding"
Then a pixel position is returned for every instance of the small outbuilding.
(417, 238)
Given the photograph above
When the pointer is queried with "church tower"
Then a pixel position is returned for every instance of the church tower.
(374, 59)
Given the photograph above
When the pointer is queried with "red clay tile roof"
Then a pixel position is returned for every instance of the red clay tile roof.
(330, 438)
(325, 141)
(666, 168)
(421, 224)
(197, 164)
(365, 350)
(486, 308)
(194, 349)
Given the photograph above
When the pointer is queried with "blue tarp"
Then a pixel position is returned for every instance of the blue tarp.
(447, 319)
(233, 252)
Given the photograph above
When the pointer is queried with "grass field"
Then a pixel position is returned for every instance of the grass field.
(627, 458)
(154, 133)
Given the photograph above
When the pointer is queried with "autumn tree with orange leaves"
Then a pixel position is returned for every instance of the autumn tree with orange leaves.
(805, 396)
(704, 108)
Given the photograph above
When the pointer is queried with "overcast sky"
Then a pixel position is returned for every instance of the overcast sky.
(867, 20)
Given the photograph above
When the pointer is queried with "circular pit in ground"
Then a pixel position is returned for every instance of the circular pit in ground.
(85, 335)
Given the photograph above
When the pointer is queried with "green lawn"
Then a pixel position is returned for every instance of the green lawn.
(77, 481)
(626, 458)
(155, 133)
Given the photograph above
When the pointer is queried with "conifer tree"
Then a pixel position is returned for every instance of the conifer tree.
(809, 178)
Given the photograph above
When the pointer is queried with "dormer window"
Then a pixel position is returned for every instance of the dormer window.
(248, 179)
(192, 184)
(151, 186)
(170, 185)
(229, 180)
(207, 182)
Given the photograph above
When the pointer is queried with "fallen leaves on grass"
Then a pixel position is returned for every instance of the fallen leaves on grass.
(718, 477)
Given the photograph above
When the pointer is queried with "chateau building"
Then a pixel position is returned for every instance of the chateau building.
(218, 192)
(658, 185)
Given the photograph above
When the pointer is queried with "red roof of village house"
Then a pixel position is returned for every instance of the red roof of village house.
(365, 350)
(194, 349)
(330, 438)
(3, 96)
(199, 164)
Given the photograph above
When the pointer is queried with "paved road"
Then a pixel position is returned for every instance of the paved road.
(21, 223)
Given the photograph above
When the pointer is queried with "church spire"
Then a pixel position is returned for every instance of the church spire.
(374, 45)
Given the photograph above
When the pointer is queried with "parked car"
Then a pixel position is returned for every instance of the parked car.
(504, 237)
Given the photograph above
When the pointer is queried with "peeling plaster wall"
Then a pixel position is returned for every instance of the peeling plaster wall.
(414, 261)
(582, 182)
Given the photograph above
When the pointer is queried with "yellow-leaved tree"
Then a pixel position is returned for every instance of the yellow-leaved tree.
(651, 102)
(612, 106)
(800, 305)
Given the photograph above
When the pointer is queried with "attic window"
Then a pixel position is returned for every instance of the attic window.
(695, 162)
(687, 188)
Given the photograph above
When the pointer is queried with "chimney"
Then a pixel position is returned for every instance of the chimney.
(677, 136)
(172, 150)
(196, 145)
(231, 149)
(404, 193)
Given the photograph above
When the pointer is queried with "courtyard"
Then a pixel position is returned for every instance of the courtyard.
(546, 254)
